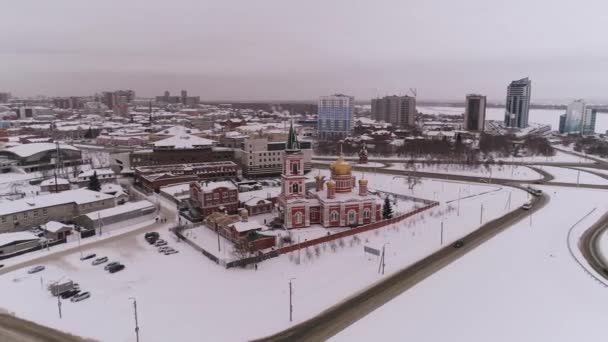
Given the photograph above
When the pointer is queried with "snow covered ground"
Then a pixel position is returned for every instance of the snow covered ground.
(603, 241)
(604, 172)
(522, 285)
(565, 175)
(184, 297)
(495, 171)
(542, 116)
(368, 165)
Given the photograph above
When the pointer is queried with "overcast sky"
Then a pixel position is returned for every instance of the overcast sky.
(298, 50)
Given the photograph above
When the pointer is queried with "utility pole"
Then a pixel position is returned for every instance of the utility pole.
(458, 212)
(79, 247)
(217, 230)
(442, 233)
(481, 214)
(290, 301)
(58, 304)
(578, 177)
(136, 323)
(509, 201)
(99, 222)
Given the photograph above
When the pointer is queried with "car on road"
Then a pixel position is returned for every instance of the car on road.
(70, 293)
(112, 264)
(160, 243)
(99, 261)
(36, 269)
(116, 268)
(527, 206)
(172, 251)
(164, 249)
(81, 296)
(88, 256)
(458, 244)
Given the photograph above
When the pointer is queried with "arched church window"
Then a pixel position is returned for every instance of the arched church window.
(294, 168)
(298, 218)
(334, 216)
(295, 188)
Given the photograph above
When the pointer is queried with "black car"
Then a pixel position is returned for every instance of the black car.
(458, 244)
(88, 256)
(151, 237)
(70, 293)
(116, 268)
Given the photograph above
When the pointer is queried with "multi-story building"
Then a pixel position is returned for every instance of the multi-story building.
(63, 206)
(112, 98)
(518, 103)
(397, 110)
(335, 116)
(183, 98)
(261, 158)
(210, 197)
(4, 97)
(152, 178)
(42, 156)
(181, 149)
(475, 113)
(579, 119)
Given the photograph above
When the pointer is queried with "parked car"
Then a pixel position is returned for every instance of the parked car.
(70, 293)
(116, 268)
(1, 265)
(458, 244)
(99, 261)
(527, 206)
(160, 243)
(164, 249)
(81, 296)
(112, 264)
(152, 237)
(36, 269)
(173, 251)
(88, 256)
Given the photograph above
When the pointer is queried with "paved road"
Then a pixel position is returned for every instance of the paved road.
(589, 246)
(14, 329)
(340, 316)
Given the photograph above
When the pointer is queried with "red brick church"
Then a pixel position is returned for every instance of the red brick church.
(337, 203)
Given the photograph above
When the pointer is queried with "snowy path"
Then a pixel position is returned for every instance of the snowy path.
(514, 172)
(566, 175)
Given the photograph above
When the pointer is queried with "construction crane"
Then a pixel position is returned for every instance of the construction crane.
(414, 92)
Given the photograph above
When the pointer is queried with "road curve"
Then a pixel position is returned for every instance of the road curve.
(589, 246)
(338, 317)
(13, 329)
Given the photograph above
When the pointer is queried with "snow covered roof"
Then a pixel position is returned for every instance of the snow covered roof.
(78, 196)
(107, 188)
(184, 141)
(54, 226)
(179, 130)
(255, 200)
(216, 185)
(242, 227)
(27, 150)
(125, 208)
(100, 172)
(9, 238)
(60, 181)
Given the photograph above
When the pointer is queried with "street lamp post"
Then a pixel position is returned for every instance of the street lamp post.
(290, 301)
(136, 322)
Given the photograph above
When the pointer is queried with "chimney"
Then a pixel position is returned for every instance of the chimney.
(362, 187)
(331, 190)
(319, 180)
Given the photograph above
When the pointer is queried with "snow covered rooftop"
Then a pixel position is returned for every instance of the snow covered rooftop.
(27, 150)
(215, 185)
(125, 208)
(78, 196)
(100, 172)
(54, 226)
(8, 238)
(183, 141)
(179, 130)
(242, 227)
(60, 181)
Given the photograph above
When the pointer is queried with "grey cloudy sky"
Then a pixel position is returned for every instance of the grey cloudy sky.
(288, 50)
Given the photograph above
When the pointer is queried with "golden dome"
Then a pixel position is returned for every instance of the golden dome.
(340, 167)
(362, 181)
(331, 184)
(244, 212)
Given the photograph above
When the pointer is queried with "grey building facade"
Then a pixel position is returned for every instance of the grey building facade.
(397, 110)
(475, 112)
(518, 103)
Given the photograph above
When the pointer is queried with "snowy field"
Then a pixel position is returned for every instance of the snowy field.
(542, 116)
(603, 249)
(514, 172)
(522, 285)
(565, 175)
(603, 172)
(186, 297)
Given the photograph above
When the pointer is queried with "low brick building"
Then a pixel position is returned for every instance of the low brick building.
(152, 178)
(240, 231)
(210, 197)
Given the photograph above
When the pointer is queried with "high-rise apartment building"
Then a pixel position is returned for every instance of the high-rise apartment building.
(335, 116)
(475, 112)
(397, 110)
(518, 103)
(112, 98)
(579, 119)
(4, 97)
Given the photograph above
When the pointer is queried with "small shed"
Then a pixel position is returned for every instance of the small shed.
(121, 213)
(57, 230)
(48, 185)
(15, 242)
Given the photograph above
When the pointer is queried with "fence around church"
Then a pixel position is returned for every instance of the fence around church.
(327, 238)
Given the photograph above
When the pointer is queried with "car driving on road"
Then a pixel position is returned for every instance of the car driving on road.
(527, 206)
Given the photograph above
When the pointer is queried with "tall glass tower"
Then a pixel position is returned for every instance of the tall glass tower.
(518, 103)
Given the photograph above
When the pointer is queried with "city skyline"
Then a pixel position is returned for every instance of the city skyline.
(280, 51)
